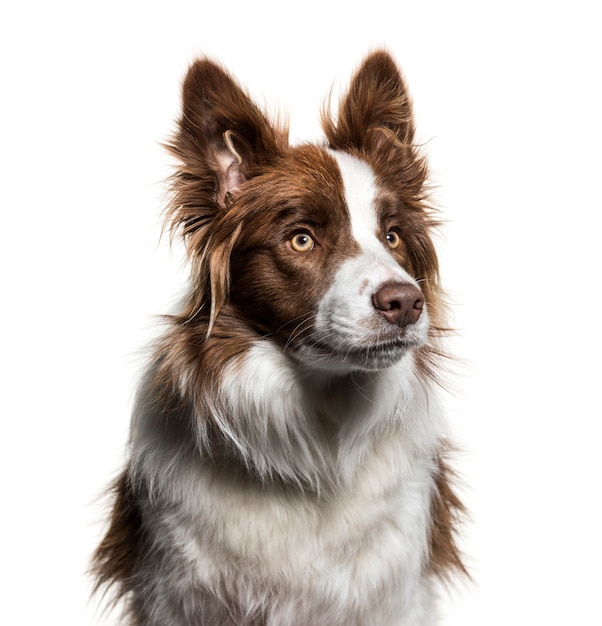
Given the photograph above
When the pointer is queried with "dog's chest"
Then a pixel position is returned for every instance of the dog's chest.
(353, 556)
(344, 554)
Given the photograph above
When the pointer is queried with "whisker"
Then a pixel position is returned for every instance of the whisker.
(299, 329)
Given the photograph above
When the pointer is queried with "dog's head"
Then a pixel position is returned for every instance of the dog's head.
(326, 249)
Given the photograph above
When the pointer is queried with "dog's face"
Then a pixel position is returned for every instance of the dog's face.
(325, 249)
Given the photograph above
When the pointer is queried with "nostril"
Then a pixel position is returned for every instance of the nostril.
(399, 303)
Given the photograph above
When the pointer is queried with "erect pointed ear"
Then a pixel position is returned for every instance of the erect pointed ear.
(376, 106)
(223, 139)
(223, 135)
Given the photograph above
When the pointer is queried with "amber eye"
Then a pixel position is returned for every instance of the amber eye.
(393, 239)
(302, 242)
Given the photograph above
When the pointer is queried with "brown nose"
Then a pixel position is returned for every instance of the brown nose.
(399, 303)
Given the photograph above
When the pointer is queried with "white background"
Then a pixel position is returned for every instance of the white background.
(507, 98)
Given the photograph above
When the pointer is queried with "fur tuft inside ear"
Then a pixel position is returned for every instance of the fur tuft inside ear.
(229, 169)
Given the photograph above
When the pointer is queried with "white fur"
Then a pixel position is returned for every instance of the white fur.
(356, 555)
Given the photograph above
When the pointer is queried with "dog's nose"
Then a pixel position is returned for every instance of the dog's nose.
(399, 303)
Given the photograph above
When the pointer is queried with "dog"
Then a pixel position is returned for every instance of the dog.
(288, 454)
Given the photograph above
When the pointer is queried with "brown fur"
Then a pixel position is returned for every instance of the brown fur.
(446, 512)
(115, 558)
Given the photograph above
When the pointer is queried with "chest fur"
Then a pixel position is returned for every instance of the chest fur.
(343, 555)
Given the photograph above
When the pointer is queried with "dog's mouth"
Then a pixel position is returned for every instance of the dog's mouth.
(377, 355)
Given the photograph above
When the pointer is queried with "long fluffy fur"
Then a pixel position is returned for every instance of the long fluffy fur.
(274, 480)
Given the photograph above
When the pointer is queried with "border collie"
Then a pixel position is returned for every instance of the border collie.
(286, 463)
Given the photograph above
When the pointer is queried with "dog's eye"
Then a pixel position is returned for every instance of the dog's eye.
(393, 239)
(302, 242)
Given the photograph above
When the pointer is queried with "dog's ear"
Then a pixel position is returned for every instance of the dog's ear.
(223, 137)
(375, 110)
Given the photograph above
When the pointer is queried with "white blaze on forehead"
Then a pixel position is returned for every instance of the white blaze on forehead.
(360, 189)
(360, 194)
